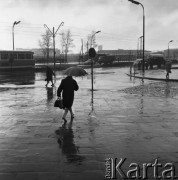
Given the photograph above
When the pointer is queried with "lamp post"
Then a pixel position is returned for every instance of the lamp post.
(143, 62)
(54, 35)
(138, 46)
(93, 36)
(92, 54)
(15, 23)
(168, 47)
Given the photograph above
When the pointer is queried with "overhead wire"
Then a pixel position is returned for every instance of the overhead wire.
(77, 32)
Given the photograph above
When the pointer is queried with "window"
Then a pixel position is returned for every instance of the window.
(13, 56)
(21, 56)
(4, 56)
(29, 56)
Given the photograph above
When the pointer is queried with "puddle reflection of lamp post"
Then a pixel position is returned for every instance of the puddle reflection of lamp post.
(138, 3)
(168, 47)
(15, 23)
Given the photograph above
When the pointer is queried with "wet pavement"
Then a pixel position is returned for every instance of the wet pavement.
(131, 119)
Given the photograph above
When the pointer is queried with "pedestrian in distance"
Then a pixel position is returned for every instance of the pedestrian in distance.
(67, 87)
(49, 76)
(168, 68)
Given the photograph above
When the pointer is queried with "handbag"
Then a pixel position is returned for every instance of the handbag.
(58, 103)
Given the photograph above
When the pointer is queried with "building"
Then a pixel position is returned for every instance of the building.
(124, 55)
(173, 54)
(100, 47)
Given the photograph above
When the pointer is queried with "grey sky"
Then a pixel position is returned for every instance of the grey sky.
(120, 22)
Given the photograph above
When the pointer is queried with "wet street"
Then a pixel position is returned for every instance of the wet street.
(130, 118)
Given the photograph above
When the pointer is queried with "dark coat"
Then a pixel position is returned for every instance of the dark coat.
(67, 87)
(49, 74)
(168, 66)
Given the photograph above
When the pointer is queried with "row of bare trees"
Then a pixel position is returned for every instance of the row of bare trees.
(67, 42)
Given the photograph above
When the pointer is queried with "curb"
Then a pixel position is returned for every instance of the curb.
(156, 79)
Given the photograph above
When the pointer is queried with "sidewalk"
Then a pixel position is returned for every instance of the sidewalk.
(132, 119)
(159, 74)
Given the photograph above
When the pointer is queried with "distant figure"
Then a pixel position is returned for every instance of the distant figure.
(49, 76)
(146, 65)
(67, 87)
(168, 68)
(131, 69)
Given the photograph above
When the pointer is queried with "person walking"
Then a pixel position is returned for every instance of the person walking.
(67, 87)
(168, 68)
(49, 76)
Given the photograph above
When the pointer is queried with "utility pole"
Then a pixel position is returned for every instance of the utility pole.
(139, 50)
(141, 47)
(82, 50)
(143, 54)
(168, 48)
(54, 35)
(87, 50)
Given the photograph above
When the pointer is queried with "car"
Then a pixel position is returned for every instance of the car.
(108, 59)
(155, 59)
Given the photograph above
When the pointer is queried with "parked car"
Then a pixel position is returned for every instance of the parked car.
(175, 61)
(108, 59)
(156, 59)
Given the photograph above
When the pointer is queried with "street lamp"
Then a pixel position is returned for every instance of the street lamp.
(143, 62)
(168, 47)
(54, 35)
(15, 23)
(92, 54)
(93, 36)
(138, 46)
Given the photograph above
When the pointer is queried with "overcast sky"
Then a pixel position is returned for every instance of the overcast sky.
(119, 21)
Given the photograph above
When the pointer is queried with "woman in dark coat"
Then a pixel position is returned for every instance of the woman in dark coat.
(49, 76)
(67, 87)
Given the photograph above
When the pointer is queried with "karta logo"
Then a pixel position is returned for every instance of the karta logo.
(114, 170)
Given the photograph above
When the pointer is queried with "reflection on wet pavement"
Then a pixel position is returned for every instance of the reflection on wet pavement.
(18, 77)
(49, 93)
(66, 142)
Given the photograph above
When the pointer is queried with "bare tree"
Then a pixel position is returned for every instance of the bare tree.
(45, 43)
(67, 42)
